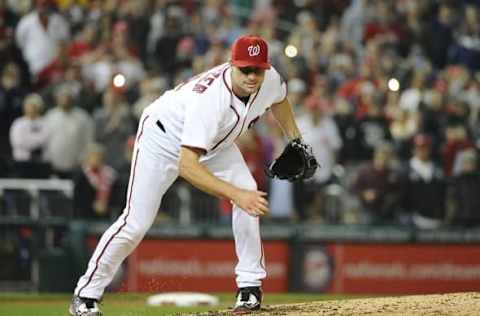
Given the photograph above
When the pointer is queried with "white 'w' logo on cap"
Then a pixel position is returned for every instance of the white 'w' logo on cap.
(253, 50)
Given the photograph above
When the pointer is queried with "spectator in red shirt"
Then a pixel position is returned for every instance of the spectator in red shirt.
(84, 43)
(93, 185)
(375, 186)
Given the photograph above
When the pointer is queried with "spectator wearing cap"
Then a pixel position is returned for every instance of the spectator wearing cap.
(70, 130)
(464, 190)
(424, 186)
(39, 34)
(321, 132)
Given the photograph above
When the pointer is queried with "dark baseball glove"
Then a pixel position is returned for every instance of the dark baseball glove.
(295, 163)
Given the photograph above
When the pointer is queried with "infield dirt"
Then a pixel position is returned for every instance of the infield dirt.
(458, 304)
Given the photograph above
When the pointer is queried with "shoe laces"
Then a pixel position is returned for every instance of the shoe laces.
(245, 293)
(244, 296)
(89, 302)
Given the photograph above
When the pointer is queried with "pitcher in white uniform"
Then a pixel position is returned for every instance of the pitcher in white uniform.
(190, 131)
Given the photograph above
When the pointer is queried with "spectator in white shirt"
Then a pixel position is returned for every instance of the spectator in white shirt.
(39, 34)
(28, 133)
(28, 136)
(70, 131)
(320, 130)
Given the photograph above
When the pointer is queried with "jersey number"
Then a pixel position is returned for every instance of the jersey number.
(203, 83)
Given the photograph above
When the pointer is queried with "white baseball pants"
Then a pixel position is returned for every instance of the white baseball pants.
(152, 173)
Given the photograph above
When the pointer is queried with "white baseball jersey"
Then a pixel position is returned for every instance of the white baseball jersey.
(204, 112)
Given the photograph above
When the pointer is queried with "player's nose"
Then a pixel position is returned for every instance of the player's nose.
(252, 76)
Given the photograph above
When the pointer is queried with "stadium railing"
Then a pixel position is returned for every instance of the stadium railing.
(31, 213)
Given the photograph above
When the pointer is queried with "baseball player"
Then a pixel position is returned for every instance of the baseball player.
(190, 131)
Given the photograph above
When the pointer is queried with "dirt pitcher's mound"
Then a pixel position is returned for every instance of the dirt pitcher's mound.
(457, 304)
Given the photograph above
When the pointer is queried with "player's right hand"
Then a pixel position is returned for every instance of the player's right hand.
(252, 202)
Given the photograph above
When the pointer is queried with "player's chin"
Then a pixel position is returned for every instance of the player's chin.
(251, 88)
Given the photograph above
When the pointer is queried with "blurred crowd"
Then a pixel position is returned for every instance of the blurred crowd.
(386, 92)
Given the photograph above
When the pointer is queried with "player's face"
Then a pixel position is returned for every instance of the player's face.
(247, 80)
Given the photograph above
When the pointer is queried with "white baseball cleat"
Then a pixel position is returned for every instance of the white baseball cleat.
(84, 307)
(248, 299)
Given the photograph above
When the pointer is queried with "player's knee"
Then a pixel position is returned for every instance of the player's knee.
(138, 235)
(245, 225)
(135, 231)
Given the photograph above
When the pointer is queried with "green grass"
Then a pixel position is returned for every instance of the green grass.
(20, 304)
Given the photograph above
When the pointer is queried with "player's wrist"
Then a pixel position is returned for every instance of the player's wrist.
(297, 139)
(294, 135)
(233, 194)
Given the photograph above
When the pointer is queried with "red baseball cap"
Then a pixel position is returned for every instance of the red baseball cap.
(250, 51)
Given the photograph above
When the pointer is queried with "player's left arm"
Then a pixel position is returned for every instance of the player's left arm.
(283, 113)
(296, 161)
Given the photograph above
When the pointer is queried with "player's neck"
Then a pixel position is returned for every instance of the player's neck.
(245, 99)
